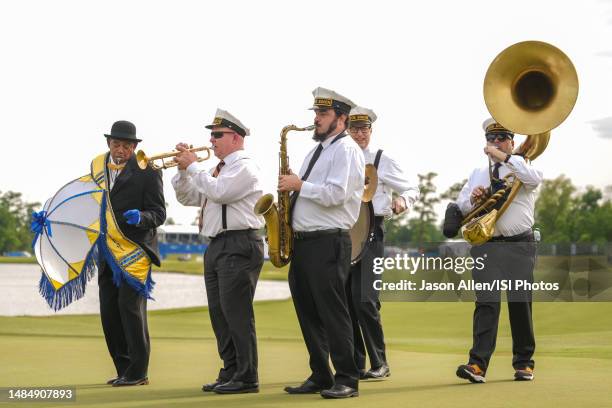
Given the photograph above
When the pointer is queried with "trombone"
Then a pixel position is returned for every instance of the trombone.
(143, 160)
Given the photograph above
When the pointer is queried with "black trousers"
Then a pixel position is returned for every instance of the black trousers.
(124, 320)
(364, 305)
(232, 263)
(509, 261)
(317, 278)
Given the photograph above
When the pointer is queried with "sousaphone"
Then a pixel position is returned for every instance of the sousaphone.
(530, 88)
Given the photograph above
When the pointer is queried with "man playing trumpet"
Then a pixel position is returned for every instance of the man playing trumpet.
(226, 195)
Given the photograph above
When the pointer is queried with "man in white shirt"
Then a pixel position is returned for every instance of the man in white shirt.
(232, 262)
(364, 303)
(509, 255)
(327, 198)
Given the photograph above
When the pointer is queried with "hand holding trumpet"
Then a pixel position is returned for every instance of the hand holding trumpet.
(185, 157)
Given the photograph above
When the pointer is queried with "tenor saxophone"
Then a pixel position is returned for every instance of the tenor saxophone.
(279, 234)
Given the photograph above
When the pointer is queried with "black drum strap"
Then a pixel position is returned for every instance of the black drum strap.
(377, 158)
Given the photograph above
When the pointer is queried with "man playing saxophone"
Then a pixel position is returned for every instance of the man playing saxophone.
(326, 205)
(510, 254)
(233, 260)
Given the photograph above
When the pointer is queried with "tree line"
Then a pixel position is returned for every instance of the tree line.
(563, 213)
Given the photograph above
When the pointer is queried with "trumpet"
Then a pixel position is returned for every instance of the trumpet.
(143, 160)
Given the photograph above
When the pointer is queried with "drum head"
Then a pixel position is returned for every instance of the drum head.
(361, 231)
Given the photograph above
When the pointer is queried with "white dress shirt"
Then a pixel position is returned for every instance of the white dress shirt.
(519, 216)
(112, 174)
(331, 197)
(390, 178)
(237, 186)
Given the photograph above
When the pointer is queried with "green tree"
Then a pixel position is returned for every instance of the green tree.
(453, 191)
(15, 218)
(564, 216)
(424, 208)
(554, 208)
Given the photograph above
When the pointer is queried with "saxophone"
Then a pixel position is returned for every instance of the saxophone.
(279, 234)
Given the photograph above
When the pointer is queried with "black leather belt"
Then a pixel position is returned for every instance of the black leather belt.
(319, 233)
(230, 233)
(526, 236)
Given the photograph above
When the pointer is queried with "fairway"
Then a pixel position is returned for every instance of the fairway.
(426, 342)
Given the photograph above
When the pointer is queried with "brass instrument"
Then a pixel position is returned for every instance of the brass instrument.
(371, 183)
(362, 231)
(279, 234)
(143, 160)
(530, 88)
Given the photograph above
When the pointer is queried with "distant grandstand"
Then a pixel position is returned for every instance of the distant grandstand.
(180, 239)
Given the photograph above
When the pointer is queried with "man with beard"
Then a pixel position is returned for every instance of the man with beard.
(325, 205)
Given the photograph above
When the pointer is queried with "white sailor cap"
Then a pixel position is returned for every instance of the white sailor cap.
(225, 119)
(360, 116)
(328, 99)
(491, 126)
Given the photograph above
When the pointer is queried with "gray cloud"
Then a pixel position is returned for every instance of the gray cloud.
(602, 127)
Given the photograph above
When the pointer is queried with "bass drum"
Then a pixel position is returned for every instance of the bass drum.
(362, 232)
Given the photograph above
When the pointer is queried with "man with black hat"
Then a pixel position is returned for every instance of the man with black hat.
(137, 201)
(364, 303)
(325, 206)
(509, 255)
(226, 196)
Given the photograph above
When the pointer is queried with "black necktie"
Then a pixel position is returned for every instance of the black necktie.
(313, 160)
(311, 164)
(496, 183)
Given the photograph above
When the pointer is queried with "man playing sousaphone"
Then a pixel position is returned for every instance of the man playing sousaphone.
(510, 254)
(364, 303)
(137, 208)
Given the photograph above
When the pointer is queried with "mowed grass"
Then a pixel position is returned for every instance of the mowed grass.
(172, 264)
(426, 341)
(196, 267)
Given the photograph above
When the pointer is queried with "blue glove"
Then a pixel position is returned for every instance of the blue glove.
(132, 217)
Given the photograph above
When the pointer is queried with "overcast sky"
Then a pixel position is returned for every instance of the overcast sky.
(71, 68)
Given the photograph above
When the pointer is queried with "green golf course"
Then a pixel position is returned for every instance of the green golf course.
(426, 342)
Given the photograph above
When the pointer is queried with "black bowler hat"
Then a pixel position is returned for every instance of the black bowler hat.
(123, 130)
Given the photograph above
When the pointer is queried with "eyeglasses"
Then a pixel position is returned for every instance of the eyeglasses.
(218, 134)
(497, 137)
(356, 130)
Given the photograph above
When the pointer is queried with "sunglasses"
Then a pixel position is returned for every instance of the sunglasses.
(493, 137)
(219, 134)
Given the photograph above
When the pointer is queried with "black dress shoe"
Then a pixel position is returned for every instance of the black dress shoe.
(124, 382)
(340, 391)
(378, 373)
(307, 387)
(211, 386)
(236, 387)
(112, 380)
